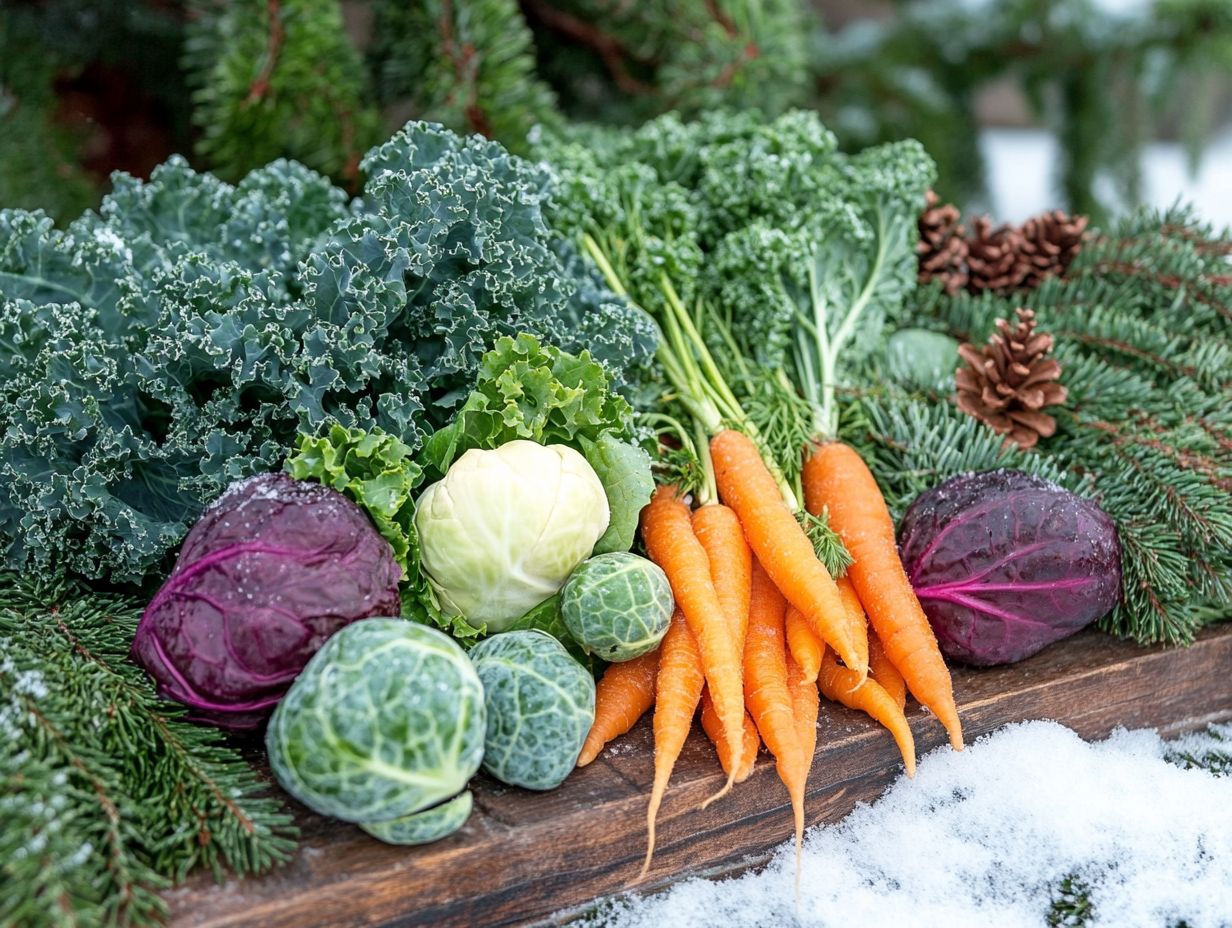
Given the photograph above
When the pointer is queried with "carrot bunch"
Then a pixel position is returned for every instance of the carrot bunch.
(761, 625)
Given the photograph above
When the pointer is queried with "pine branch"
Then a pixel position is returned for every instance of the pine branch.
(112, 796)
(628, 61)
(1147, 428)
(468, 65)
(278, 79)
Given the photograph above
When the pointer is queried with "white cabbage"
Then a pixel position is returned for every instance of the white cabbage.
(504, 529)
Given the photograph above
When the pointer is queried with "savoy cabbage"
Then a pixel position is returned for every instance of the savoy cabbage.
(180, 337)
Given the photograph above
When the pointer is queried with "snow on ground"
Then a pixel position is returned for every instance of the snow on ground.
(985, 837)
(1022, 169)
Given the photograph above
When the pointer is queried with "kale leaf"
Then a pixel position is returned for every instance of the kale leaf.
(181, 337)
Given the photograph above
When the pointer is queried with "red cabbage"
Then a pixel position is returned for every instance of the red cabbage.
(1005, 564)
(271, 570)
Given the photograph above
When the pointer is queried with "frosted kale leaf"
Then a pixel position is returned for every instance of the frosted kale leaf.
(182, 336)
(387, 720)
(540, 705)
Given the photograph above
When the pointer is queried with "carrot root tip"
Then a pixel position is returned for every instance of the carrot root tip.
(731, 779)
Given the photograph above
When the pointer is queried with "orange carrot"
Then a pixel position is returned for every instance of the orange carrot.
(714, 730)
(622, 696)
(678, 688)
(884, 672)
(855, 613)
(731, 563)
(767, 693)
(671, 543)
(731, 567)
(803, 644)
(841, 684)
(806, 706)
(779, 541)
(836, 479)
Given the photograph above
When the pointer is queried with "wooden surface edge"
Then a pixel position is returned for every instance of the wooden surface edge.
(540, 858)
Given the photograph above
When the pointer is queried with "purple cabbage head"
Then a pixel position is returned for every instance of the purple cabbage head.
(272, 569)
(1005, 563)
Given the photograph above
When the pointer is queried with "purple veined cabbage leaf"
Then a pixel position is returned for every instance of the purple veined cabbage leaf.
(271, 570)
(1005, 563)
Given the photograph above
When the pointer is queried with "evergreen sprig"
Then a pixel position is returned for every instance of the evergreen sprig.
(1143, 327)
(278, 78)
(106, 795)
(470, 66)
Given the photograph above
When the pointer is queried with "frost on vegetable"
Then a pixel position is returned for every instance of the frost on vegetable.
(1005, 564)
(540, 705)
(180, 338)
(387, 720)
(272, 569)
(617, 605)
(504, 528)
(919, 359)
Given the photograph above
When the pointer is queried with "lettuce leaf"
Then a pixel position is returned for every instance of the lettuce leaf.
(536, 392)
(376, 470)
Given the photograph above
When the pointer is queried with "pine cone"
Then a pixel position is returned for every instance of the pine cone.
(1008, 383)
(942, 248)
(1050, 242)
(995, 260)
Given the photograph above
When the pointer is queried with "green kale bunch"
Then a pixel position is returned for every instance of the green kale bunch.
(182, 336)
(758, 237)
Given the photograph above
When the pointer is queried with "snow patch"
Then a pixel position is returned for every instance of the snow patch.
(986, 836)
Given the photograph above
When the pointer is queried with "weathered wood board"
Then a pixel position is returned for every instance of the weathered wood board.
(525, 858)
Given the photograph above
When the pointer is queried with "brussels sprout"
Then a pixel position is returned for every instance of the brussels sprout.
(385, 721)
(428, 825)
(540, 705)
(617, 605)
(503, 530)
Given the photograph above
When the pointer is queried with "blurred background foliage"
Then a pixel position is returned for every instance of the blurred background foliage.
(90, 87)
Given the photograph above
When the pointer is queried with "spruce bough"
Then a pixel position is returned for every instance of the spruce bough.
(106, 795)
(1143, 328)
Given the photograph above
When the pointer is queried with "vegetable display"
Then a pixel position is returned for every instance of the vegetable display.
(540, 704)
(273, 568)
(385, 723)
(424, 437)
(503, 529)
(617, 605)
(1005, 564)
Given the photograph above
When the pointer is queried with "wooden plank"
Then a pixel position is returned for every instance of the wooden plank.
(527, 857)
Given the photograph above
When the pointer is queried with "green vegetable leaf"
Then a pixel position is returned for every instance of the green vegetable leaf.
(624, 470)
(547, 617)
(419, 605)
(376, 471)
(826, 542)
(186, 333)
(532, 391)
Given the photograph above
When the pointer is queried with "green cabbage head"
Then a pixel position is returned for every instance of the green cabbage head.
(384, 727)
(617, 605)
(504, 529)
(540, 706)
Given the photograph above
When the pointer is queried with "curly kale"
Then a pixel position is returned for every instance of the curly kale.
(179, 338)
(786, 255)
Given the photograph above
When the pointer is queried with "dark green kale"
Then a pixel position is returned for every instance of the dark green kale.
(182, 336)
